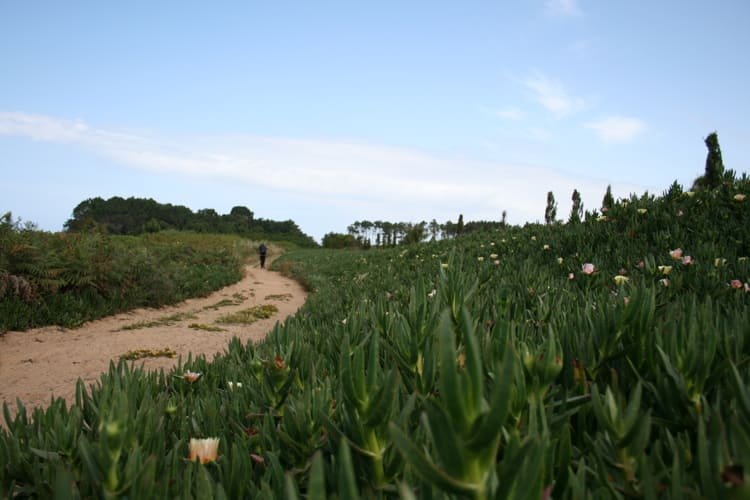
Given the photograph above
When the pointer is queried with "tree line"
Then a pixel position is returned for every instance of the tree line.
(134, 216)
(365, 234)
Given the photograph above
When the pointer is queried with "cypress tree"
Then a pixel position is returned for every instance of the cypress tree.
(576, 211)
(551, 211)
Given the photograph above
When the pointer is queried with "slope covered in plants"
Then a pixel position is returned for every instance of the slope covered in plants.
(601, 359)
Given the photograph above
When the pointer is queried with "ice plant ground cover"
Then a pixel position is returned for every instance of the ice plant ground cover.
(68, 278)
(425, 372)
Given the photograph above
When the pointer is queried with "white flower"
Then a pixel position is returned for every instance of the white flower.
(205, 450)
(191, 376)
(665, 270)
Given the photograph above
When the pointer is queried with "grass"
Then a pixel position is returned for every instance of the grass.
(249, 316)
(208, 328)
(148, 353)
(281, 296)
(236, 300)
(165, 321)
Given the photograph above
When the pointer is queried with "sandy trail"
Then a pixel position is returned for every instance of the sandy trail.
(38, 364)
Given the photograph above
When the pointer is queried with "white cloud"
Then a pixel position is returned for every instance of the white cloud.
(617, 128)
(562, 8)
(552, 95)
(358, 180)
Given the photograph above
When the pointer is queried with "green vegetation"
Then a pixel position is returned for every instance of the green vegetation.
(67, 279)
(236, 300)
(605, 358)
(148, 353)
(138, 215)
(208, 328)
(250, 315)
(283, 297)
(165, 321)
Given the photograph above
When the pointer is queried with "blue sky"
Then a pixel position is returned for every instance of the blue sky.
(331, 112)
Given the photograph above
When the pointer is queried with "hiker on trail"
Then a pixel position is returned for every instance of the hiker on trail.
(262, 252)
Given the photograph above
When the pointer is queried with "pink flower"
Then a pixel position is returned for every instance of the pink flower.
(664, 282)
(571, 276)
(588, 268)
(687, 260)
(736, 284)
(191, 376)
(676, 254)
(640, 265)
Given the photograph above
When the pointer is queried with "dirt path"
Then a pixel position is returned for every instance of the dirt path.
(38, 364)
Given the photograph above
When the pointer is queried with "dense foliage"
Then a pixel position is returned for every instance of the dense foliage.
(138, 215)
(68, 278)
(603, 359)
(365, 234)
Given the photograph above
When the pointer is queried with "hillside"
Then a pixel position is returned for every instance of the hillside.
(606, 358)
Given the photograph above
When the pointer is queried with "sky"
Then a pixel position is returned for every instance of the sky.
(331, 112)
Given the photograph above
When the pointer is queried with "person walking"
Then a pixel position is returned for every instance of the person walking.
(262, 252)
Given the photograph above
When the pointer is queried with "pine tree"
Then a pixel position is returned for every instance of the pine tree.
(460, 225)
(551, 211)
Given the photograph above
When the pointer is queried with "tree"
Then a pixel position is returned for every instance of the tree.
(338, 240)
(460, 224)
(434, 229)
(608, 199)
(714, 165)
(551, 211)
(504, 219)
(243, 212)
(576, 211)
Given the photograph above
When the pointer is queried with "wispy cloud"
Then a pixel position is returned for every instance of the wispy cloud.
(552, 95)
(360, 180)
(617, 128)
(562, 8)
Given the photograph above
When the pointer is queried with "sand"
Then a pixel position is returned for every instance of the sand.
(38, 364)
